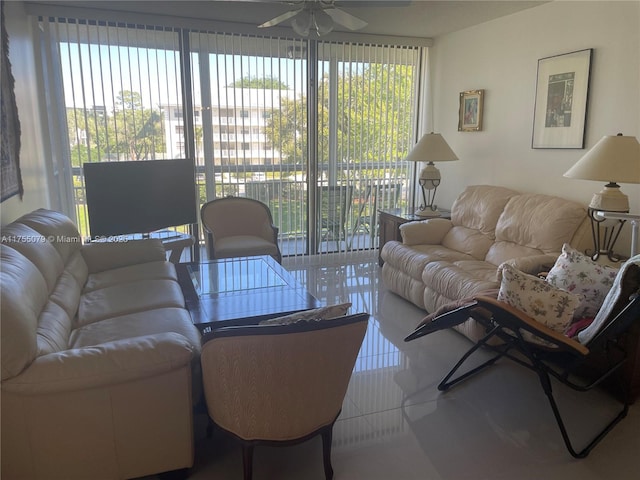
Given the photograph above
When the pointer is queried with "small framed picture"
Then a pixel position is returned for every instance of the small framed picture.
(562, 91)
(470, 114)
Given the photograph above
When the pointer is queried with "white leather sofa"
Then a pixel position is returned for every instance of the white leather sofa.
(100, 360)
(440, 261)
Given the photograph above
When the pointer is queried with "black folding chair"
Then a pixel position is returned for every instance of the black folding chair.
(560, 357)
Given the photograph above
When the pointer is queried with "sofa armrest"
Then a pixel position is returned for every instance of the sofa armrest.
(533, 264)
(101, 256)
(103, 365)
(425, 232)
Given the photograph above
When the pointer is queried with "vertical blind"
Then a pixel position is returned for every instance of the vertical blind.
(122, 96)
(116, 82)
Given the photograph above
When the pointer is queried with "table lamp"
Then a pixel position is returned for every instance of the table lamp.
(431, 148)
(615, 158)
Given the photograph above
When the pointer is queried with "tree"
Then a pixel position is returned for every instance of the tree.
(374, 118)
(137, 130)
(132, 132)
(256, 82)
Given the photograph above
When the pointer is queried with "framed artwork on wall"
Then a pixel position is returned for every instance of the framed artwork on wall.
(470, 113)
(562, 92)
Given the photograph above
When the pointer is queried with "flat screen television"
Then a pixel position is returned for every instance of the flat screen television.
(139, 197)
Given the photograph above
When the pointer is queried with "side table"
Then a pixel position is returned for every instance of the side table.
(390, 221)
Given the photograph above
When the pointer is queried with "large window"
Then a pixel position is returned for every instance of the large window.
(324, 158)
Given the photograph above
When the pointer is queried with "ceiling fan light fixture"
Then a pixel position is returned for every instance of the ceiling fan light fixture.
(322, 22)
(301, 23)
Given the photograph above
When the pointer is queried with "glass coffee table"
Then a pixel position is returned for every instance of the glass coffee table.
(240, 291)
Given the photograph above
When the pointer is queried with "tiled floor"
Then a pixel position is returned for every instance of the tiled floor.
(497, 426)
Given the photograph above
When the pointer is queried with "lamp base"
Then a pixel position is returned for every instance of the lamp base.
(610, 199)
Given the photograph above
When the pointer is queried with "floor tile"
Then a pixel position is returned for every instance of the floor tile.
(395, 424)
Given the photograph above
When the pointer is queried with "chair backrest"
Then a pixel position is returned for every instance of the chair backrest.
(620, 307)
(231, 216)
(280, 382)
(334, 203)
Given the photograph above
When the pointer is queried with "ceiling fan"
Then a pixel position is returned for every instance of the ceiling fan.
(320, 15)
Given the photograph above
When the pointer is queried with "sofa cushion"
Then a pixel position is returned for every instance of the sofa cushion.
(24, 293)
(54, 328)
(577, 273)
(103, 256)
(474, 216)
(460, 279)
(139, 324)
(128, 298)
(413, 259)
(469, 241)
(532, 224)
(57, 228)
(132, 273)
(35, 247)
(479, 206)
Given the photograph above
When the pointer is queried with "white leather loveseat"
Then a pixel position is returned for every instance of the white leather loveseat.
(440, 261)
(99, 356)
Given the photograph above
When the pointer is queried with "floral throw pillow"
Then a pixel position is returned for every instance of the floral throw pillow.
(537, 298)
(576, 273)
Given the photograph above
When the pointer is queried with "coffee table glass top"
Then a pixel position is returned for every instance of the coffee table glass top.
(233, 275)
(240, 291)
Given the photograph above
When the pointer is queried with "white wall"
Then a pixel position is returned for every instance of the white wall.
(501, 57)
(32, 158)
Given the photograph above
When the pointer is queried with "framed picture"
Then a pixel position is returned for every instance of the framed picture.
(562, 92)
(470, 114)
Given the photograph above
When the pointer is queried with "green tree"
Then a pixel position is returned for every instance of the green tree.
(137, 130)
(87, 135)
(256, 82)
(132, 132)
(374, 118)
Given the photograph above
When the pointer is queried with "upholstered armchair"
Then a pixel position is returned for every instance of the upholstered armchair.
(280, 384)
(239, 227)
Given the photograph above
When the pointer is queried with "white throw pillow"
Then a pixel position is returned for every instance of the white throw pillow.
(323, 313)
(576, 273)
(538, 299)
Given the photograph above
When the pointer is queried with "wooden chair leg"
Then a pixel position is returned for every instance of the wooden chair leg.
(327, 437)
(247, 461)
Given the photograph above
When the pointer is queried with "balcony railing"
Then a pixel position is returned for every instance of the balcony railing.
(283, 188)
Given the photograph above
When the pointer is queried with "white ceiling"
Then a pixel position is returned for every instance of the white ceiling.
(415, 18)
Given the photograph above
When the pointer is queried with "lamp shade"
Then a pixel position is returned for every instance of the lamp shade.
(615, 159)
(431, 148)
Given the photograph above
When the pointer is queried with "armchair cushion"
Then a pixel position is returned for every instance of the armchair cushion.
(239, 245)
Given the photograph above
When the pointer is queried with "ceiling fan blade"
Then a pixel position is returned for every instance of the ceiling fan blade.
(345, 19)
(280, 18)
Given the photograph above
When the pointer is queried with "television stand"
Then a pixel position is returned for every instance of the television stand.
(174, 242)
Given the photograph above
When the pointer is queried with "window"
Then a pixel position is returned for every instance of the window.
(122, 95)
(118, 85)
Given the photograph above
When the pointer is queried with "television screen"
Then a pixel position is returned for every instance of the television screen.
(139, 197)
